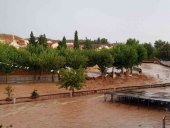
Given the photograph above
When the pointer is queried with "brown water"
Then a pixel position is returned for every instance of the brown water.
(84, 112)
(160, 72)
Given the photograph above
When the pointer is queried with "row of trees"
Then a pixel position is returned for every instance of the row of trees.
(38, 58)
(161, 50)
(70, 63)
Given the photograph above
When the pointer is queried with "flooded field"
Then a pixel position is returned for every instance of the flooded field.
(163, 92)
(84, 112)
(159, 72)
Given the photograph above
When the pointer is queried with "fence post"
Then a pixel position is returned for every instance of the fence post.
(14, 100)
(71, 94)
(163, 122)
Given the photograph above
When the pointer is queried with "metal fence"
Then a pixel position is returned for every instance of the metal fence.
(27, 78)
(81, 93)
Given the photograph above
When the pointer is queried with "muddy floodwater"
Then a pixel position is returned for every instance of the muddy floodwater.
(159, 72)
(79, 112)
(86, 111)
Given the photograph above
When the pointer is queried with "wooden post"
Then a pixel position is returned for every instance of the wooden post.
(163, 122)
(105, 98)
(71, 94)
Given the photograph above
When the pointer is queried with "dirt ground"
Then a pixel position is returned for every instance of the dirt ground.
(22, 90)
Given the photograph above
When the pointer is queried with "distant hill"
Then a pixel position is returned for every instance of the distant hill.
(8, 38)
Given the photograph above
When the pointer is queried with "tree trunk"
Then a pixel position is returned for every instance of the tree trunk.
(41, 72)
(6, 78)
(113, 73)
(131, 70)
(58, 74)
(73, 92)
(52, 77)
(34, 75)
(103, 76)
(122, 70)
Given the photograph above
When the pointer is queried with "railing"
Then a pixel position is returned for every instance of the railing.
(81, 93)
(157, 61)
(28, 78)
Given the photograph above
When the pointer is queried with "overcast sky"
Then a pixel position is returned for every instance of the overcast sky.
(117, 20)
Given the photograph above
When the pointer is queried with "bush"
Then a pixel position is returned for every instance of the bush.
(8, 91)
(34, 94)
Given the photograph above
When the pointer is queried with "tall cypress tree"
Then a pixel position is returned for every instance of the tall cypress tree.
(32, 40)
(64, 42)
(76, 40)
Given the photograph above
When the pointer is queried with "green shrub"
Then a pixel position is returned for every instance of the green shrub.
(8, 91)
(34, 94)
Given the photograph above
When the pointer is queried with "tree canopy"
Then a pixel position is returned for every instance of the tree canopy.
(72, 79)
(104, 60)
(62, 44)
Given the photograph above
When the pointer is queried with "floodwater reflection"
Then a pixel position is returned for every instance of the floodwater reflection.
(84, 112)
(160, 72)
